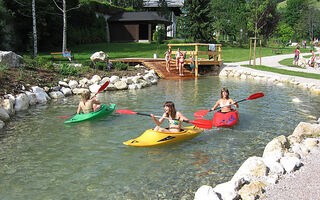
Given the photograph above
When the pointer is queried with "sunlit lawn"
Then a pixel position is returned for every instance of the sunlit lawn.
(146, 50)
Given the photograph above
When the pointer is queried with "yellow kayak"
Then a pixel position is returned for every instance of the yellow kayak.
(156, 138)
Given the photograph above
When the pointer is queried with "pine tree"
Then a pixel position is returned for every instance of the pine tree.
(199, 20)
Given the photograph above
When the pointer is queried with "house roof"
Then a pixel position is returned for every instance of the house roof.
(170, 3)
(150, 17)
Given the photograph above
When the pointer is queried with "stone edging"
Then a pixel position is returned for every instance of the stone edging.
(281, 156)
(247, 73)
(10, 104)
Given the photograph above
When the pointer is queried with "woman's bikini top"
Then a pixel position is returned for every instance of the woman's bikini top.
(174, 122)
(224, 105)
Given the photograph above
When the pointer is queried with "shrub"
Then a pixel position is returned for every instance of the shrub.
(67, 70)
(120, 66)
(101, 65)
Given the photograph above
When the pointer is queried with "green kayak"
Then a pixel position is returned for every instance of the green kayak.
(103, 111)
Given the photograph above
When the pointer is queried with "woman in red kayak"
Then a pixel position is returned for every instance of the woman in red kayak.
(225, 101)
(174, 117)
(87, 104)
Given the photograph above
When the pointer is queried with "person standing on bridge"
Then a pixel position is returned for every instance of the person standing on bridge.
(178, 53)
(167, 56)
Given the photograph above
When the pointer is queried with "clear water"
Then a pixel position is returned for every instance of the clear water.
(42, 158)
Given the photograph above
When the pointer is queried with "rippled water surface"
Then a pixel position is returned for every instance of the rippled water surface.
(42, 158)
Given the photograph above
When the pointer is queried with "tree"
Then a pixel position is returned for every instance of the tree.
(34, 25)
(259, 12)
(64, 11)
(270, 20)
(285, 33)
(199, 23)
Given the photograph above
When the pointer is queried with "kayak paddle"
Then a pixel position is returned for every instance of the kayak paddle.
(202, 113)
(100, 89)
(201, 123)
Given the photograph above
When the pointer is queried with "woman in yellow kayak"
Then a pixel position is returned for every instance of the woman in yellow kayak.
(87, 104)
(225, 101)
(175, 118)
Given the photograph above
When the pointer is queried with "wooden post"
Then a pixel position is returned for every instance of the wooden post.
(196, 54)
(260, 51)
(254, 51)
(250, 52)
(219, 56)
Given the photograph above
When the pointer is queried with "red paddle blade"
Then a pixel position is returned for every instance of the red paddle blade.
(103, 87)
(202, 123)
(62, 117)
(125, 111)
(201, 113)
(255, 96)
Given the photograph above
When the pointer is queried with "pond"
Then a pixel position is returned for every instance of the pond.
(42, 158)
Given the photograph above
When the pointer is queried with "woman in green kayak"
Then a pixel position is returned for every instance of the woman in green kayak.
(87, 104)
(174, 117)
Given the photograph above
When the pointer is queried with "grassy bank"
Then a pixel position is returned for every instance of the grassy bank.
(146, 50)
(284, 71)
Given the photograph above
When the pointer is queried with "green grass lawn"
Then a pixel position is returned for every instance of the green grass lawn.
(146, 50)
(284, 71)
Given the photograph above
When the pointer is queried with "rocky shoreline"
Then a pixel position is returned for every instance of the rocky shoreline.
(282, 156)
(12, 103)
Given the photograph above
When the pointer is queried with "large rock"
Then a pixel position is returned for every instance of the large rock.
(99, 56)
(22, 102)
(227, 190)
(306, 130)
(114, 79)
(251, 169)
(73, 84)
(95, 79)
(32, 98)
(8, 105)
(252, 191)
(290, 164)
(4, 116)
(56, 94)
(79, 90)
(121, 85)
(66, 91)
(206, 192)
(84, 83)
(276, 148)
(42, 96)
(94, 88)
(10, 59)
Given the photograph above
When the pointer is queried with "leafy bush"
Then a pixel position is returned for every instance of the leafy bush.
(101, 65)
(68, 70)
(85, 69)
(36, 62)
(120, 66)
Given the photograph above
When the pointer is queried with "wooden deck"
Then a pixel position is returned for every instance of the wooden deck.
(159, 66)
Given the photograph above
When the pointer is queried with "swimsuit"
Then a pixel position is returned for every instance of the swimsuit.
(225, 105)
(174, 121)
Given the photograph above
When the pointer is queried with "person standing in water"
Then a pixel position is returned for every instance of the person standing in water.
(174, 117)
(225, 101)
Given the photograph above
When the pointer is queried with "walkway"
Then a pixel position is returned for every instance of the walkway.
(273, 61)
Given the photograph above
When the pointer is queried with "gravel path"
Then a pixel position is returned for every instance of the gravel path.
(303, 184)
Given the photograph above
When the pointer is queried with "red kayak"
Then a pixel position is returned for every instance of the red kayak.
(227, 119)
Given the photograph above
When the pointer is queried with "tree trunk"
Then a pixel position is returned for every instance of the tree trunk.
(64, 37)
(34, 24)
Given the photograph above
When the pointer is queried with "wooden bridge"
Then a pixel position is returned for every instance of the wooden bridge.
(159, 64)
